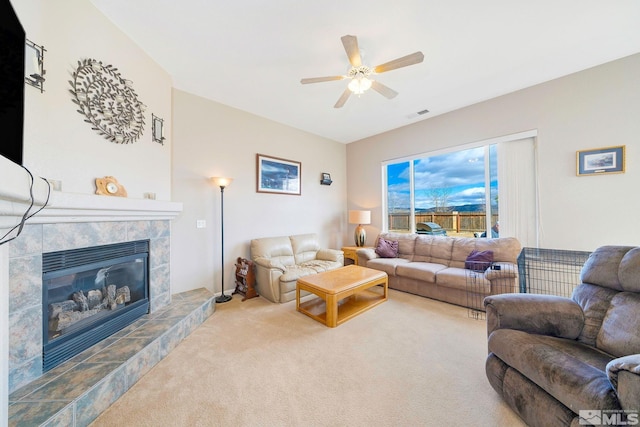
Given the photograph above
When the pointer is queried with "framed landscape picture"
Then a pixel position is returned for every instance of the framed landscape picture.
(600, 161)
(280, 176)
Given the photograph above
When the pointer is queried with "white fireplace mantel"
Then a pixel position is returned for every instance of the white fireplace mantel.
(70, 207)
(15, 199)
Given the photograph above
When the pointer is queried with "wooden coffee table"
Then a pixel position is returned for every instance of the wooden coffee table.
(342, 293)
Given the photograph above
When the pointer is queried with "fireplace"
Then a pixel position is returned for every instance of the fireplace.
(90, 294)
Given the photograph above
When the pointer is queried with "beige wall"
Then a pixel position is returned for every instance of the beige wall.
(58, 144)
(211, 139)
(590, 109)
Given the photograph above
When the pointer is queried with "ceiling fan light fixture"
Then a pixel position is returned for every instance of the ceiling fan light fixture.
(359, 84)
(359, 74)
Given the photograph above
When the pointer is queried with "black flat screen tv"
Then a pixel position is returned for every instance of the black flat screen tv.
(12, 51)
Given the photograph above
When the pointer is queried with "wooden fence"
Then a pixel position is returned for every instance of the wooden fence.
(457, 222)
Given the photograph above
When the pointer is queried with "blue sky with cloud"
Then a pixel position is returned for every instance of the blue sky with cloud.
(461, 173)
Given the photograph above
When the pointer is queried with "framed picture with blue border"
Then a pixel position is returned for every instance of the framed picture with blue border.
(276, 175)
(600, 161)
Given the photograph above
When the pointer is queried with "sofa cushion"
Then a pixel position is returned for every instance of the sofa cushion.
(559, 366)
(619, 332)
(276, 248)
(603, 265)
(320, 265)
(423, 246)
(479, 260)
(505, 249)
(388, 265)
(594, 301)
(629, 271)
(460, 278)
(442, 249)
(331, 255)
(305, 247)
(387, 248)
(294, 272)
(419, 270)
(461, 249)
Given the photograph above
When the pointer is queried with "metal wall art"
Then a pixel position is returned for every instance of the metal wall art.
(108, 101)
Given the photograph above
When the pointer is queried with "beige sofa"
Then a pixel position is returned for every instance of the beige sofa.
(280, 261)
(434, 267)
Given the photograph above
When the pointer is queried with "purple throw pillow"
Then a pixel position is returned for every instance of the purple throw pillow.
(479, 260)
(387, 248)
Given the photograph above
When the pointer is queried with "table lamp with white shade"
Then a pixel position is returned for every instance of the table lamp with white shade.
(361, 218)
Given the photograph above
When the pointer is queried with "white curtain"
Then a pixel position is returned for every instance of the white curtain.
(517, 190)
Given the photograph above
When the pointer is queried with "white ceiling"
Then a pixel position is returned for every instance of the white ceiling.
(251, 54)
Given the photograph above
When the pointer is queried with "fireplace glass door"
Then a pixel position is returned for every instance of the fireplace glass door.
(89, 294)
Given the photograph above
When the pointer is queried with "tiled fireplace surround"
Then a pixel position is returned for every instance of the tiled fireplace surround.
(70, 223)
(25, 279)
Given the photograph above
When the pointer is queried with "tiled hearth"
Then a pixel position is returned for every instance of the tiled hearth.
(76, 392)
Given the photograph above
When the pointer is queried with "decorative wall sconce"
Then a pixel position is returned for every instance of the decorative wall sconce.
(34, 65)
(326, 179)
(108, 101)
(157, 129)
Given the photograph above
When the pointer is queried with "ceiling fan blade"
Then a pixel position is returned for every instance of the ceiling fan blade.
(385, 91)
(321, 79)
(414, 58)
(350, 44)
(343, 98)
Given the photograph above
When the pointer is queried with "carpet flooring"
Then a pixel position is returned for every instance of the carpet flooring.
(410, 361)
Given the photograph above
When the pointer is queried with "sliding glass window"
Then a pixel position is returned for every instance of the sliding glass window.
(455, 191)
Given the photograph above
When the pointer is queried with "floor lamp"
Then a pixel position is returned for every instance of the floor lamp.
(222, 183)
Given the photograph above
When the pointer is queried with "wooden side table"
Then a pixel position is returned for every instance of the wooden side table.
(350, 252)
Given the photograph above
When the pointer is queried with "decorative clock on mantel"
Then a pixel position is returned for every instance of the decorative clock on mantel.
(108, 101)
(109, 186)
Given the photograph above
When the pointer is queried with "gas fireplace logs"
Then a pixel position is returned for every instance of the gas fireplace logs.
(64, 314)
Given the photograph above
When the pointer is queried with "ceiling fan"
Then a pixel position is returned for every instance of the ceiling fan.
(360, 74)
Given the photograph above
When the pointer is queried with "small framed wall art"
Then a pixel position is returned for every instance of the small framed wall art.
(280, 176)
(600, 161)
(325, 179)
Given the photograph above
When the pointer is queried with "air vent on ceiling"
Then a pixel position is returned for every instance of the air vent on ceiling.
(418, 114)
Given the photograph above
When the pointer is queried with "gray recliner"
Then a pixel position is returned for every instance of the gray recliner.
(554, 359)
